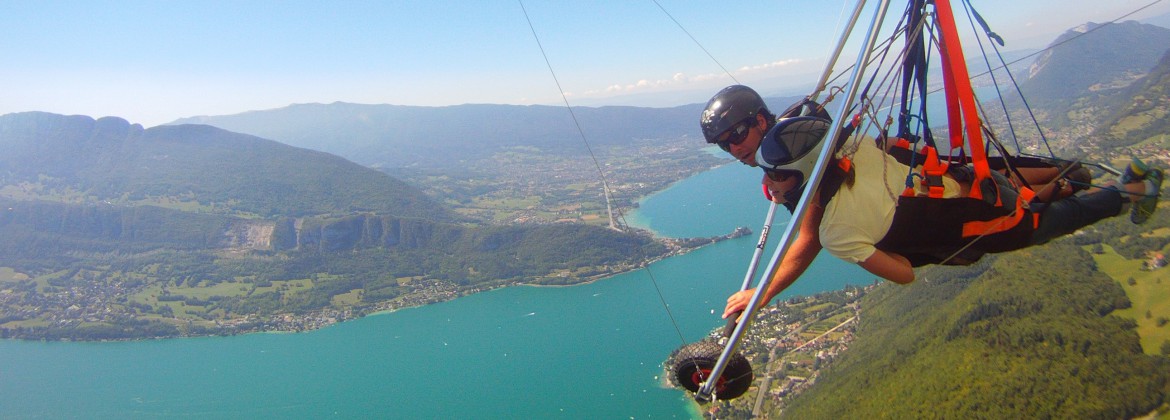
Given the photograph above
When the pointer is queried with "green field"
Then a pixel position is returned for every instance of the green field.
(182, 310)
(1149, 291)
(9, 275)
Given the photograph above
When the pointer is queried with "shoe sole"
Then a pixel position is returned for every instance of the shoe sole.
(1144, 208)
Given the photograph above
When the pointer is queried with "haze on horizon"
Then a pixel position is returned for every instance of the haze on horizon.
(155, 62)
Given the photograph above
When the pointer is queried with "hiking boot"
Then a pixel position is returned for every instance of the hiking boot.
(1134, 172)
(1144, 208)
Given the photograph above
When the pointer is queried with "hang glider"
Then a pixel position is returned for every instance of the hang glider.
(886, 97)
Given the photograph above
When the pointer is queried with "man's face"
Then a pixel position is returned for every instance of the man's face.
(742, 140)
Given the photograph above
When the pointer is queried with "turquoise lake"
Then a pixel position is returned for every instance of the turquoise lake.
(591, 351)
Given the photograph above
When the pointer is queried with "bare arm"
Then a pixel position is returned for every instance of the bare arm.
(890, 266)
(800, 255)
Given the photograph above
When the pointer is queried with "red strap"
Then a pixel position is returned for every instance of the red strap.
(956, 79)
(963, 122)
(1002, 223)
(954, 117)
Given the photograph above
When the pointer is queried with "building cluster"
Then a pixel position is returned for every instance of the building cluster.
(1157, 260)
(788, 345)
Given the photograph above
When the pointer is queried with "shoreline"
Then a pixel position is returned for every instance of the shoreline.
(430, 292)
(640, 201)
(422, 294)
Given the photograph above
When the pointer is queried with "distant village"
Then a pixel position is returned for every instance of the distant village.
(788, 345)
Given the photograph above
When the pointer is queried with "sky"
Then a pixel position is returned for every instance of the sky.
(152, 62)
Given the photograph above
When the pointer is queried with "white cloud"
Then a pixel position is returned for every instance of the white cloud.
(682, 80)
(707, 77)
(770, 66)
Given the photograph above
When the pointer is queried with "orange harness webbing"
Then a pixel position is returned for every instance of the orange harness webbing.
(960, 99)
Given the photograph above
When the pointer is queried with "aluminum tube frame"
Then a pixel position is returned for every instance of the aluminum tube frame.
(763, 242)
(836, 54)
(704, 394)
(753, 265)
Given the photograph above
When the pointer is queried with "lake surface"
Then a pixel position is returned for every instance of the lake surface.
(589, 351)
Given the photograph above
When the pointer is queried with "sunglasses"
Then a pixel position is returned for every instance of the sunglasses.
(778, 176)
(734, 135)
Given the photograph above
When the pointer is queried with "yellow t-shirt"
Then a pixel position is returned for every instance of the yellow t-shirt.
(858, 217)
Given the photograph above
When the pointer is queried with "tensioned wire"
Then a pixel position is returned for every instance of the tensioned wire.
(1006, 65)
(692, 37)
(596, 164)
(585, 140)
(1067, 168)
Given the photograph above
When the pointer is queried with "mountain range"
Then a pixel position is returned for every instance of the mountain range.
(394, 136)
(81, 159)
(1098, 87)
(1063, 82)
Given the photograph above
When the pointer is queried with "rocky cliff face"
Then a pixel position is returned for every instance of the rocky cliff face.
(247, 235)
(113, 227)
(360, 231)
(118, 226)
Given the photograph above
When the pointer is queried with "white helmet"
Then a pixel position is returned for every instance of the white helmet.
(791, 144)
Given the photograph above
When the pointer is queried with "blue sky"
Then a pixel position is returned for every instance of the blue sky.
(155, 61)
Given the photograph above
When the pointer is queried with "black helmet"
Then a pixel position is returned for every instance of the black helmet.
(727, 108)
(790, 146)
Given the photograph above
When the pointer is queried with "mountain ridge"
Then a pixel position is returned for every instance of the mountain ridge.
(383, 135)
(1121, 53)
(109, 159)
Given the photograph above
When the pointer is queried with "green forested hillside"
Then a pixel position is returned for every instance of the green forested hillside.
(82, 160)
(38, 233)
(1033, 336)
(1140, 111)
(475, 255)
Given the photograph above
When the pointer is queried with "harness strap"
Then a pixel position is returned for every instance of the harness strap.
(1002, 223)
(932, 171)
(995, 208)
(914, 71)
(960, 96)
